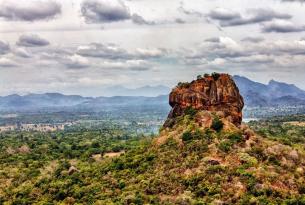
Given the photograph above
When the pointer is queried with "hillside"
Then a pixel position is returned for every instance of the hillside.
(204, 155)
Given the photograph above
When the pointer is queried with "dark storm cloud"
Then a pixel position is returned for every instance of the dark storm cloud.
(104, 11)
(282, 27)
(32, 40)
(231, 18)
(4, 48)
(38, 10)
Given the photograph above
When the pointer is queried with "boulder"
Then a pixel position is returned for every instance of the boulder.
(216, 93)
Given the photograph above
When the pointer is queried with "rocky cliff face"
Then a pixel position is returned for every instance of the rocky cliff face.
(216, 93)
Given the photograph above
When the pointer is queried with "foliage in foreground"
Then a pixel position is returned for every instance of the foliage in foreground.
(192, 166)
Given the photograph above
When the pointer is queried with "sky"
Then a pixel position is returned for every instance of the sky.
(84, 46)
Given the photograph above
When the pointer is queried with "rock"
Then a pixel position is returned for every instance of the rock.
(72, 170)
(293, 155)
(24, 149)
(300, 170)
(217, 93)
(212, 161)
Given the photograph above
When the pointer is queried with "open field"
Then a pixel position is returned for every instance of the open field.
(295, 123)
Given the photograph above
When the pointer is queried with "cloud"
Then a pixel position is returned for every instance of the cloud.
(108, 51)
(150, 53)
(109, 11)
(253, 39)
(180, 21)
(4, 48)
(29, 10)
(22, 52)
(76, 62)
(224, 52)
(137, 19)
(223, 14)
(5, 62)
(185, 11)
(32, 40)
(282, 27)
(302, 1)
(132, 65)
(213, 40)
(104, 11)
(230, 18)
(253, 59)
(114, 52)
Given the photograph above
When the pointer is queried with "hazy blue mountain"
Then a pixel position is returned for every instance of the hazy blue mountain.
(56, 102)
(272, 94)
(39, 101)
(278, 89)
(148, 98)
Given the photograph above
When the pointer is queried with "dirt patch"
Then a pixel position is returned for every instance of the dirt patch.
(295, 123)
(113, 154)
(97, 157)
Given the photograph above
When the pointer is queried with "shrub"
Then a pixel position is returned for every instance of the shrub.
(217, 124)
(206, 75)
(199, 77)
(190, 111)
(225, 146)
(183, 84)
(187, 136)
(215, 75)
(198, 134)
(236, 137)
(246, 158)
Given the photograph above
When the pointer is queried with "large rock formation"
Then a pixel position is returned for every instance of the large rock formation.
(217, 92)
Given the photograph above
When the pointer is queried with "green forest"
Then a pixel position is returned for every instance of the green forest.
(192, 165)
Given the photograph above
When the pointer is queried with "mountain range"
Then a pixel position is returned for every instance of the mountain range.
(269, 95)
(255, 94)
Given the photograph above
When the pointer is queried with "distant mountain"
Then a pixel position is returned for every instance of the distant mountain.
(40, 101)
(148, 91)
(59, 102)
(272, 94)
(148, 98)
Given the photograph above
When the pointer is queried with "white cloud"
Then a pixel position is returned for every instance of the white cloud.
(5, 62)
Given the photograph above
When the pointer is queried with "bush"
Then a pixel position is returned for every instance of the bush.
(199, 77)
(190, 111)
(225, 146)
(187, 136)
(183, 84)
(236, 137)
(215, 75)
(217, 124)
